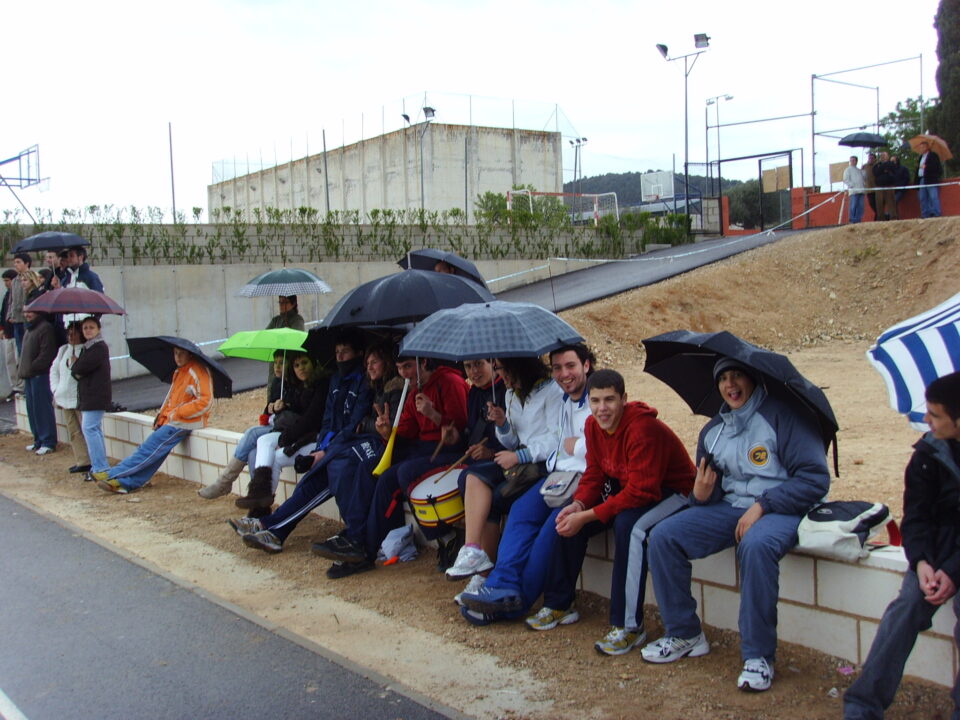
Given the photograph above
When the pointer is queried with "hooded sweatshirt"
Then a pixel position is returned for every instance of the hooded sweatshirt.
(190, 397)
(447, 390)
(643, 455)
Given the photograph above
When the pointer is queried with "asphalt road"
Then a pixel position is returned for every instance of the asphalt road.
(85, 633)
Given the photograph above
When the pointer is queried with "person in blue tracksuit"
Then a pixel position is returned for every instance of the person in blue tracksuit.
(931, 541)
(761, 467)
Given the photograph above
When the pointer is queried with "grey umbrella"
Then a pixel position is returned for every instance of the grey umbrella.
(489, 330)
(49, 240)
(863, 139)
(284, 282)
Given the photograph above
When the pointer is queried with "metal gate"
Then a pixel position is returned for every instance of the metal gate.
(775, 173)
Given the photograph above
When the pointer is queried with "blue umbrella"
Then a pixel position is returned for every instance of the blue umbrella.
(495, 329)
(49, 240)
(914, 353)
(427, 258)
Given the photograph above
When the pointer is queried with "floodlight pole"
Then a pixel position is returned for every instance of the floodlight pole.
(173, 191)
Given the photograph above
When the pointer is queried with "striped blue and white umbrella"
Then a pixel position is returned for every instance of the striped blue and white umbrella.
(914, 353)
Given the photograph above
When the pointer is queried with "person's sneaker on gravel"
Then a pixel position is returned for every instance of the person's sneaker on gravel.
(33, 447)
(619, 641)
(105, 482)
(476, 582)
(548, 618)
(756, 676)
(470, 561)
(475, 618)
(263, 540)
(493, 600)
(669, 649)
(339, 547)
(246, 525)
(79, 469)
(45, 450)
(345, 569)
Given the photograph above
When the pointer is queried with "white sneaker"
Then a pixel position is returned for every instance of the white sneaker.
(757, 674)
(33, 447)
(470, 561)
(476, 582)
(669, 649)
(44, 450)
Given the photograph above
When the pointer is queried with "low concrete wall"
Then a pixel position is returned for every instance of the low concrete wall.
(199, 302)
(825, 605)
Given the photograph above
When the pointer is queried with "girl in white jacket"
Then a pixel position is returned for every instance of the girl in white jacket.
(64, 388)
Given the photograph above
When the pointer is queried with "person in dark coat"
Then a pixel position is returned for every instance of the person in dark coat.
(37, 354)
(884, 173)
(94, 393)
(929, 175)
(901, 178)
(931, 542)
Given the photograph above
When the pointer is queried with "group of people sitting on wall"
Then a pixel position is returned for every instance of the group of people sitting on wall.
(516, 425)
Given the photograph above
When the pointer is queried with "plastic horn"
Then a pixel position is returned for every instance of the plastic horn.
(387, 458)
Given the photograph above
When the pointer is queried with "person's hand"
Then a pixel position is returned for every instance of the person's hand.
(506, 459)
(753, 513)
(425, 408)
(318, 456)
(382, 423)
(936, 585)
(570, 519)
(496, 414)
(569, 445)
(479, 452)
(54, 282)
(449, 435)
(705, 481)
(278, 405)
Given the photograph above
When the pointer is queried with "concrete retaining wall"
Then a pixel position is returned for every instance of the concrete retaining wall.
(825, 605)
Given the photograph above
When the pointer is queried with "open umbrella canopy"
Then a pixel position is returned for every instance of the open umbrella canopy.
(49, 240)
(403, 297)
(936, 143)
(863, 139)
(285, 282)
(488, 330)
(684, 360)
(156, 355)
(427, 259)
(75, 300)
(914, 353)
(261, 344)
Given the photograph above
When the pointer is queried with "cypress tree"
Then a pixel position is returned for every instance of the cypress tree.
(946, 120)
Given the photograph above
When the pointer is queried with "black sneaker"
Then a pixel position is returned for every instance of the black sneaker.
(79, 468)
(340, 548)
(345, 569)
(448, 549)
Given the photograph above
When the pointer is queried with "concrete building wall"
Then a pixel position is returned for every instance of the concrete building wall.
(459, 163)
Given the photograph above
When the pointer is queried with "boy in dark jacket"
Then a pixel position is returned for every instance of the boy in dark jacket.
(36, 357)
(931, 530)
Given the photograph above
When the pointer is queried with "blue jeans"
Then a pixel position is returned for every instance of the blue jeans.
(905, 618)
(929, 201)
(703, 530)
(856, 208)
(43, 421)
(92, 426)
(136, 470)
(18, 332)
(529, 541)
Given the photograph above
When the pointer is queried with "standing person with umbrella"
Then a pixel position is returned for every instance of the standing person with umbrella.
(870, 182)
(853, 179)
(289, 315)
(186, 406)
(760, 468)
(39, 350)
(14, 384)
(94, 396)
(21, 263)
(64, 387)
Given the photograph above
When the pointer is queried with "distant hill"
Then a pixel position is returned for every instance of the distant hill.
(627, 185)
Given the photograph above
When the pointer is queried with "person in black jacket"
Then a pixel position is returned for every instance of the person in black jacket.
(929, 175)
(94, 392)
(36, 356)
(295, 430)
(931, 531)
(8, 370)
(884, 173)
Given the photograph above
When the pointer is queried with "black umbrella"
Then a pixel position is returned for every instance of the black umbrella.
(156, 355)
(75, 300)
(50, 240)
(684, 360)
(427, 258)
(863, 139)
(403, 297)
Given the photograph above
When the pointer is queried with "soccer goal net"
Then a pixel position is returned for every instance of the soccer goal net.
(581, 208)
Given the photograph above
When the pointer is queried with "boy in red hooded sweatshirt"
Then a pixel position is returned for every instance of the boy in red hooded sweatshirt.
(638, 472)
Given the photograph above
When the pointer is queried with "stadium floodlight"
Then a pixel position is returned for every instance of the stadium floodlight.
(428, 112)
(701, 40)
(663, 51)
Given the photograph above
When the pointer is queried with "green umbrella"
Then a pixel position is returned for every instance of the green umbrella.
(262, 344)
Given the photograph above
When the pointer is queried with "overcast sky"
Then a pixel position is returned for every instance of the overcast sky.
(95, 84)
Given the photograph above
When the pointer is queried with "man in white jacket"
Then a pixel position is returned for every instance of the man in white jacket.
(853, 179)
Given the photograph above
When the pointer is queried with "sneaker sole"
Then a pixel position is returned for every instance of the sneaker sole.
(508, 605)
(747, 687)
(454, 574)
(698, 650)
(252, 541)
(613, 652)
(565, 620)
(362, 567)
